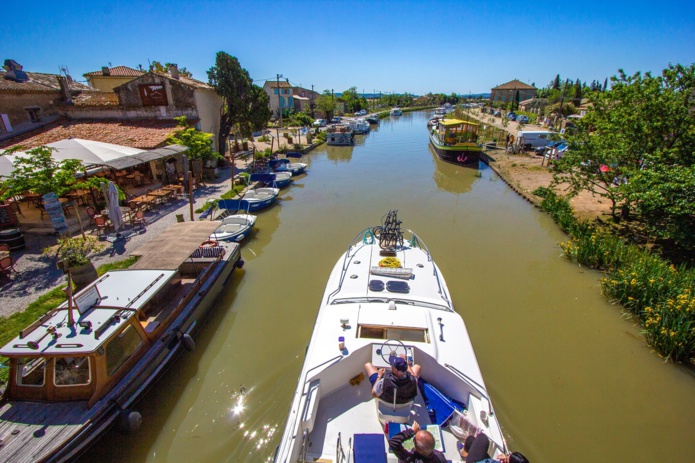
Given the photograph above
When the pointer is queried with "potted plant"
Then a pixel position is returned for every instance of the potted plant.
(73, 256)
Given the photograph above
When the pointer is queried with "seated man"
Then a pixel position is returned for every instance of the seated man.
(423, 446)
(401, 379)
(475, 450)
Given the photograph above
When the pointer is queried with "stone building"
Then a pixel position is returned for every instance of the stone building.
(30, 100)
(280, 95)
(514, 90)
(304, 99)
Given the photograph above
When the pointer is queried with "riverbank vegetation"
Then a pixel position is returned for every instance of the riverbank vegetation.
(12, 325)
(654, 291)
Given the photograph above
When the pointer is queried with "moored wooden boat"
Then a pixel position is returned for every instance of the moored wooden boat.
(83, 366)
(456, 141)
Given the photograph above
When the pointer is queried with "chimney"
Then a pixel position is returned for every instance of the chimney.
(105, 71)
(65, 88)
(174, 71)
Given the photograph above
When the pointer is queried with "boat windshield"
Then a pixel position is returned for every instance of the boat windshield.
(369, 300)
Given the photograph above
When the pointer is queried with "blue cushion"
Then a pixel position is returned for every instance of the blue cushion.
(439, 406)
(370, 448)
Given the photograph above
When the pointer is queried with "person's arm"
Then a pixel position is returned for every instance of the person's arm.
(396, 444)
(378, 387)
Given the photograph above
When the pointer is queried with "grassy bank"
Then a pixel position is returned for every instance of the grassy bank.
(12, 325)
(655, 292)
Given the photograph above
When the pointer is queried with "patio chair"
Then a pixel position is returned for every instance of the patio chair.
(102, 223)
(4, 247)
(91, 212)
(138, 217)
(7, 265)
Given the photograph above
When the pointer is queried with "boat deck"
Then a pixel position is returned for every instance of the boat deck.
(27, 428)
(342, 409)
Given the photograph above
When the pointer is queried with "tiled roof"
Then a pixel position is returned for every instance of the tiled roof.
(184, 80)
(282, 84)
(144, 133)
(38, 83)
(96, 99)
(117, 71)
(515, 85)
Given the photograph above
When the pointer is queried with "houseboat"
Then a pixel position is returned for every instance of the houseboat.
(83, 366)
(339, 135)
(456, 141)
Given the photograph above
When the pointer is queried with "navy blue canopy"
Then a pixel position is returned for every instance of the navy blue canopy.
(233, 204)
(294, 154)
(266, 178)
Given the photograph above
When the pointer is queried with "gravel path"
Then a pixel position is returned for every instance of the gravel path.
(39, 274)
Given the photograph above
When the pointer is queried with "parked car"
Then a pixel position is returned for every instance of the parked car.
(522, 119)
(362, 112)
(511, 116)
(336, 120)
(320, 123)
(497, 113)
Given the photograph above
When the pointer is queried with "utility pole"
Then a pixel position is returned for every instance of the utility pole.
(332, 101)
(277, 130)
(311, 102)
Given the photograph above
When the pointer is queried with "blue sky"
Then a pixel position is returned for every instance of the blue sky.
(388, 46)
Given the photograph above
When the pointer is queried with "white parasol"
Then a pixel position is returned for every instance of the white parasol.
(115, 213)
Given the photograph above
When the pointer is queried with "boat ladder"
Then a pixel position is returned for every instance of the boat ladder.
(340, 455)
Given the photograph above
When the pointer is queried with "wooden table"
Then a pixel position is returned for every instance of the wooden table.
(142, 201)
(80, 196)
(126, 211)
(160, 194)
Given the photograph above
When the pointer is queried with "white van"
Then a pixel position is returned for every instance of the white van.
(536, 138)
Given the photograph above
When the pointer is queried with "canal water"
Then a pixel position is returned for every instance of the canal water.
(571, 380)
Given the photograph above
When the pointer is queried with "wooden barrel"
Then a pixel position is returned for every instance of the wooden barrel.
(83, 275)
(13, 238)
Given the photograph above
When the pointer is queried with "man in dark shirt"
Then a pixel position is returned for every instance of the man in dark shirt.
(423, 446)
(400, 380)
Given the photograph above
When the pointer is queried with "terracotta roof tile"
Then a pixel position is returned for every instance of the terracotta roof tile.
(514, 84)
(38, 83)
(117, 71)
(144, 133)
(96, 99)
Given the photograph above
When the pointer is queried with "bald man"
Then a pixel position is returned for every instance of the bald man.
(423, 446)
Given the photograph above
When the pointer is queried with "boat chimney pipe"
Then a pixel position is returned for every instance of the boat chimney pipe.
(441, 329)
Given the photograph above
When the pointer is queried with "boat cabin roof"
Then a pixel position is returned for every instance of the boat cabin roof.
(174, 245)
(455, 122)
(99, 310)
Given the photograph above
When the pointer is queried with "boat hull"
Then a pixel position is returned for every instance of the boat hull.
(463, 154)
(72, 432)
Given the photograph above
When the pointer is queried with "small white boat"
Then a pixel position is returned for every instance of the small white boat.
(359, 126)
(233, 227)
(295, 167)
(396, 111)
(371, 313)
(261, 197)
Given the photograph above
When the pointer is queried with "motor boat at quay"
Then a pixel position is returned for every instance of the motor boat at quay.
(386, 297)
(83, 366)
(456, 141)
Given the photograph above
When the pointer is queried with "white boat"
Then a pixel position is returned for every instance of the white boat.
(233, 227)
(359, 126)
(260, 197)
(339, 135)
(440, 112)
(396, 111)
(369, 313)
(82, 367)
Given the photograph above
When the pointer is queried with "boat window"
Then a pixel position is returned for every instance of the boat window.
(402, 334)
(31, 371)
(121, 348)
(71, 371)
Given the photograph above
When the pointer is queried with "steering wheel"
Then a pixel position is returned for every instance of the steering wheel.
(391, 348)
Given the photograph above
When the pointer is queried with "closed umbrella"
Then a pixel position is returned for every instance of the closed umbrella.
(115, 213)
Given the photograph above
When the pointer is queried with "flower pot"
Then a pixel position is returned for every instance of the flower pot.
(83, 275)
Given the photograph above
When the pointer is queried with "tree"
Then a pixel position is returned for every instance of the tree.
(577, 93)
(636, 146)
(199, 143)
(156, 66)
(259, 112)
(326, 104)
(556, 83)
(233, 84)
(38, 172)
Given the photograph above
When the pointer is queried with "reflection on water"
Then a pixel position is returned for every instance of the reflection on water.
(568, 376)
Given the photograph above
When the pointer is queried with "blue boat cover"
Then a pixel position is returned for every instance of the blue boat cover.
(293, 154)
(207, 213)
(233, 204)
(439, 406)
(370, 448)
(267, 178)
